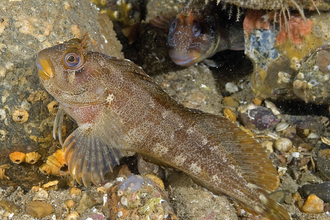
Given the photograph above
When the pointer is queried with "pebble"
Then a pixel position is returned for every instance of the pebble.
(278, 196)
(321, 190)
(230, 102)
(313, 204)
(38, 209)
(88, 201)
(74, 192)
(283, 145)
(9, 206)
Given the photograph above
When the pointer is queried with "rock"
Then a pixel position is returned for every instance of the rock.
(313, 204)
(9, 206)
(321, 190)
(38, 209)
(191, 202)
(278, 196)
(308, 177)
(88, 200)
(288, 184)
(257, 117)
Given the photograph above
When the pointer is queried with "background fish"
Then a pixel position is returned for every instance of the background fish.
(200, 31)
(119, 108)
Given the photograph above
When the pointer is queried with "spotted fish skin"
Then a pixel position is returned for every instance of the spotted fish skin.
(119, 108)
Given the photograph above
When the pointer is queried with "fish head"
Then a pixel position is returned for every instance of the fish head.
(69, 73)
(192, 37)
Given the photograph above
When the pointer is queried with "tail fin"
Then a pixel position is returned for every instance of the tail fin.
(267, 207)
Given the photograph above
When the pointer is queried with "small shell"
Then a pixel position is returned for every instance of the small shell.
(229, 114)
(282, 126)
(325, 140)
(257, 101)
(20, 116)
(17, 157)
(72, 216)
(50, 184)
(101, 190)
(32, 157)
(74, 192)
(41, 195)
(272, 107)
(69, 203)
(313, 135)
(283, 144)
(231, 87)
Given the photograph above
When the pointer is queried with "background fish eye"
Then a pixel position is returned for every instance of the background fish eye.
(196, 29)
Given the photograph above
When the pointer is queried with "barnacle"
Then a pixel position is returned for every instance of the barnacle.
(53, 107)
(20, 115)
(32, 157)
(53, 164)
(17, 157)
(3, 170)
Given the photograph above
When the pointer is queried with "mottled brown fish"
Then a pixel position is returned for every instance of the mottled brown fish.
(119, 108)
(200, 31)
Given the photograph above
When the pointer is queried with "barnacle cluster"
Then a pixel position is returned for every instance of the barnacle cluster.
(19, 157)
(53, 164)
(139, 197)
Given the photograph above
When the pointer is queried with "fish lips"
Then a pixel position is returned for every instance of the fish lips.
(184, 59)
(45, 67)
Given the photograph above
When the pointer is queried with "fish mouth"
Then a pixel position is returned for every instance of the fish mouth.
(45, 68)
(185, 60)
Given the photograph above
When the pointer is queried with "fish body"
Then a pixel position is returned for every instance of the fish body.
(200, 31)
(119, 108)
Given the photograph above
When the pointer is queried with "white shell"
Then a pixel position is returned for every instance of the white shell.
(283, 144)
(231, 87)
(272, 107)
(282, 126)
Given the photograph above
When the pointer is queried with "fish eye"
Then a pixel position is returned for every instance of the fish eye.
(73, 60)
(173, 25)
(196, 29)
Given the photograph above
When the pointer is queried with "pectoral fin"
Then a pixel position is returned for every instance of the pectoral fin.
(88, 157)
